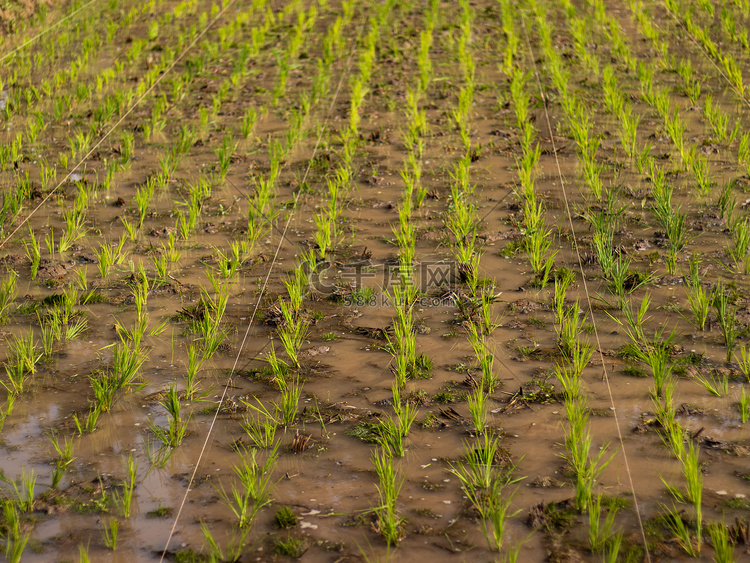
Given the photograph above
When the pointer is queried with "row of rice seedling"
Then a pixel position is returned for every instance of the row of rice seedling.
(252, 489)
(79, 145)
(672, 220)
(85, 41)
(673, 223)
(726, 60)
(247, 501)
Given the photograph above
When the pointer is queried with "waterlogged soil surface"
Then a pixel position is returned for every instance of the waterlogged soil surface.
(324, 473)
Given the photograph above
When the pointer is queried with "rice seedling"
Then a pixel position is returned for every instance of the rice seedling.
(698, 295)
(291, 391)
(744, 405)
(726, 313)
(585, 468)
(143, 196)
(569, 329)
(170, 250)
(478, 407)
(130, 228)
(87, 425)
(600, 530)
(262, 425)
(64, 459)
(224, 153)
(127, 361)
(110, 530)
(252, 490)
(720, 541)
(125, 499)
(15, 541)
(109, 255)
(682, 532)
(248, 121)
(33, 252)
(718, 386)
(7, 294)
(741, 246)
(83, 553)
(406, 412)
(719, 122)
(693, 493)
(173, 435)
(389, 522)
(23, 490)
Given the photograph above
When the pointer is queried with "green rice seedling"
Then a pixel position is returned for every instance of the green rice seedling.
(389, 523)
(291, 391)
(194, 363)
(23, 352)
(224, 153)
(7, 294)
(585, 469)
(726, 313)
(741, 246)
(719, 122)
(253, 493)
(744, 405)
(666, 413)
(23, 490)
(126, 149)
(717, 386)
(487, 321)
(292, 336)
(698, 296)
(720, 541)
(644, 159)
(682, 532)
(157, 454)
(83, 553)
(15, 541)
(562, 283)
(570, 382)
(478, 407)
(580, 356)
(143, 196)
(406, 412)
(485, 357)
(111, 528)
(130, 228)
(87, 426)
(177, 429)
(699, 166)
(691, 470)
(170, 250)
(234, 548)
(390, 437)
(64, 458)
(125, 499)
(248, 121)
(160, 265)
(569, 329)
(109, 255)
(33, 252)
(262, 425)
(600, 531)
(480, 469)
(229, 263)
